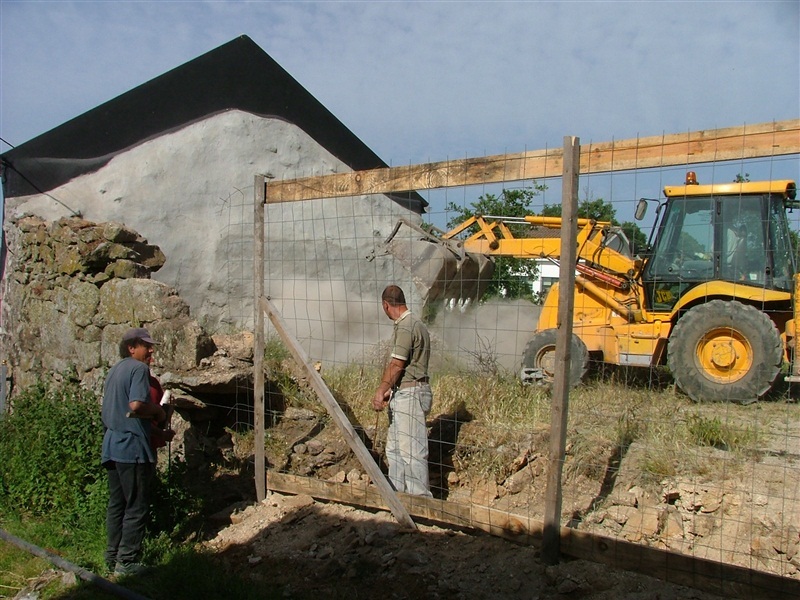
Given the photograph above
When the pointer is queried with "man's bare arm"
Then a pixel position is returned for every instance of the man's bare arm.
(147, 410)
(391, 377)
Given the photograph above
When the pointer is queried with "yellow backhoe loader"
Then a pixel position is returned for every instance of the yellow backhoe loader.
(713, 299)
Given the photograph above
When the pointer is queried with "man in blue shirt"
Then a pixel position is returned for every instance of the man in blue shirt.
(127, 454)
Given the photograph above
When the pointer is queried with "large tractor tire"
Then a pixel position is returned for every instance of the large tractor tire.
(539, 359)
(725, 351)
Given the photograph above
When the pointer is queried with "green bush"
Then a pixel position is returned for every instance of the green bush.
(53, 489)
(50, 442)
(175, 508)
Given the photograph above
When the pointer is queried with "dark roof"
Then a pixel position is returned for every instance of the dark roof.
(237, 75)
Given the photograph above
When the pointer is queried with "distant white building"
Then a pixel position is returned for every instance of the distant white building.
(547, 275)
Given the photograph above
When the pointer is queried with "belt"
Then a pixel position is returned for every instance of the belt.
(413, 383)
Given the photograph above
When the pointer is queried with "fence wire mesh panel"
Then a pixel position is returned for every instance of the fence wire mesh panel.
(683, 428)
(228, 397)
(236, 212)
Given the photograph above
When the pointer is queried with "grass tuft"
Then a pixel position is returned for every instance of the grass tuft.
(711, 431)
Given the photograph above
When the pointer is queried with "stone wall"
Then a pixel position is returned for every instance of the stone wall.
(72, 287)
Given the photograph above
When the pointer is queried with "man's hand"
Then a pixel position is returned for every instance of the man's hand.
(168, 410)
(391, 375)
(381, 399)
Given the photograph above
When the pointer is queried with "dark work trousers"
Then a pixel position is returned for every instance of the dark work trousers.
(129, 487)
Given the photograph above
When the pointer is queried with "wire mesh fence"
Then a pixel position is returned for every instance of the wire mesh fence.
(653, 457)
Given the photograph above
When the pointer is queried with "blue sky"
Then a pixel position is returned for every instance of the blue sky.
(427, 81)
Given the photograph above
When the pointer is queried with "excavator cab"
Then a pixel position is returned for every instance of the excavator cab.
(721, 276)
(736, 233)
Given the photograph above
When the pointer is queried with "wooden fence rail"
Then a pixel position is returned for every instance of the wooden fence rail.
(714, 145)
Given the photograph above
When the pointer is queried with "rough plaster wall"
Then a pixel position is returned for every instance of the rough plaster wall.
(191, 193)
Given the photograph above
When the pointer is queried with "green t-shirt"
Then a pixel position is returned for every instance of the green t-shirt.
(411, 344)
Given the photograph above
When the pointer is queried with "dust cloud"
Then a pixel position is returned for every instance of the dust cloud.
(342, 322)
(496, 330)
(334, 321)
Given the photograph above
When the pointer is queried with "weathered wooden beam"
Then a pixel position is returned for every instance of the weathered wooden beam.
(516, 528)
(258, 342)
(712, 145)
(681, 569)
(560, 398)
(337, 414)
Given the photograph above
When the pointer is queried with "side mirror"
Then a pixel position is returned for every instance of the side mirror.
(641, 209)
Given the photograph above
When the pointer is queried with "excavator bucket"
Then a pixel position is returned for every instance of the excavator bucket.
(439, 268)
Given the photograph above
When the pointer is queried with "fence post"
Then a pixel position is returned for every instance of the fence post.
(258, 341)
(3, 388)
(551, 534)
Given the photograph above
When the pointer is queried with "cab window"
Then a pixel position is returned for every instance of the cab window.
(685, 247)
(743, 248)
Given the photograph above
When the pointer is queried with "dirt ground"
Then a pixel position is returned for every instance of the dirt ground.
(317, 549)
(326, 550)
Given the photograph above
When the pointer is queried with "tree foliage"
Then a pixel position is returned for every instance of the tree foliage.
(512, 276)
(600, 210)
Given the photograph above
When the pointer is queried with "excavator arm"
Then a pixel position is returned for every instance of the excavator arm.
(457, 265)
(599, 244)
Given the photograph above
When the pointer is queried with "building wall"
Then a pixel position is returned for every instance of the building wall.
(190, 192)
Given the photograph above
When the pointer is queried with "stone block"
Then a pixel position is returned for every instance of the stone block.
(127, 269)
(119, 233)
(82, 302)
(130, 301)
(519, 481)
(671, 523)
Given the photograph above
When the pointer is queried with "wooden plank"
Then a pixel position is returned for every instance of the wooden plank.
(560, 397)
(731, 143)
(680, 569)
(258, 341)
(712, 145)
(502, 524)
(335, 411)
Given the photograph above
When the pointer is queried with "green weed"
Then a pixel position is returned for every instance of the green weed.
(711, 431)
(50, 443)
(275, 351)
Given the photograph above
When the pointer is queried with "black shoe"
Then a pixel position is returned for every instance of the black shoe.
(131, 568)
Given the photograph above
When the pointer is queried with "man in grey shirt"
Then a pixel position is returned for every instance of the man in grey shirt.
(127, 454)
(405, 389)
